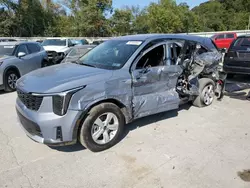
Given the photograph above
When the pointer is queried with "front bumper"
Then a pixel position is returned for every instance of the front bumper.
(42, 126)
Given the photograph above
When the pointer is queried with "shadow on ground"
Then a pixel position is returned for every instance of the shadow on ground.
(153, 119)
(68, 149)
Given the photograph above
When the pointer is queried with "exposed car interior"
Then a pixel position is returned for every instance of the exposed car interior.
(153, 58)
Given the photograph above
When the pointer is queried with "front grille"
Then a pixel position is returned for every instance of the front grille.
(30, 101)
(52, 54)
(30, 126)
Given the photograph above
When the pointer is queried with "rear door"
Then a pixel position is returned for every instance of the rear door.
(239, 53)
(220, 41)
(154, 82)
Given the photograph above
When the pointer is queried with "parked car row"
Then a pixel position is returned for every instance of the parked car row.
(117, 82)
(18, 58)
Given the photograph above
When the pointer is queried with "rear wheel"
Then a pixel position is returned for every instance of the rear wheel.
(102, 128)
(207, 94)
(11, 78)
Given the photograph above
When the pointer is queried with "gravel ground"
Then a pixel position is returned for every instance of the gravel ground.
(192, 147)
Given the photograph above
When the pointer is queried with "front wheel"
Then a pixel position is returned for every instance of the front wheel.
(102, 127)
(207, 94)
(11, 78)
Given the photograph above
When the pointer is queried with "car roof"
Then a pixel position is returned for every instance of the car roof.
(17, 42)
(205, 41)
(143, 37)
(244, 36)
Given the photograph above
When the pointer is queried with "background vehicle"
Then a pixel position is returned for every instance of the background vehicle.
(224, 40)
(97, 42)
(18, 59)
(80, 42)
(57, 48)
(76, 52)
(115, 83)
(7, 40)
(237, 59)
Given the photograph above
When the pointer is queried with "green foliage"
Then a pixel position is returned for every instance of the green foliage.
(90, 18)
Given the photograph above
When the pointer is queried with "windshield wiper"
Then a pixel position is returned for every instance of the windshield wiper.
(88, 65)
(78, 62)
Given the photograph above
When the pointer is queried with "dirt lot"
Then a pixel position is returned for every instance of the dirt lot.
(192, 147)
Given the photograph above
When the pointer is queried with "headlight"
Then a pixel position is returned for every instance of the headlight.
(1, 62)
(60, 101)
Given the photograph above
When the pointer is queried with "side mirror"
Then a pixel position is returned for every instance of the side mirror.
(21, 54)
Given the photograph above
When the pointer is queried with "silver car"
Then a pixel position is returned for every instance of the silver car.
(118, 81)
(18, 59)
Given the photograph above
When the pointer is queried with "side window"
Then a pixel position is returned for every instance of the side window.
(153, 58)
(220, 36)
(230, 36)
(22, 48)
(33, 48)
(70, 43)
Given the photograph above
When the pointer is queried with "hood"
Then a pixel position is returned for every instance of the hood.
(56, 48)
(61, 77)
(5, 57)
(69, 59)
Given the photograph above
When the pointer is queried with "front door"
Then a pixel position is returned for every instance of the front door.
(154, 82)
(25, 63)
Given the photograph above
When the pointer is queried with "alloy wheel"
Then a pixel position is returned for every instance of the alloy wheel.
(105, 128)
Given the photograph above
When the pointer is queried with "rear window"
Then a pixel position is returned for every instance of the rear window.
(241, 44)
(230, 36)
(220, 36)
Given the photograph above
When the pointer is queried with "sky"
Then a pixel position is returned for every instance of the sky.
(143, 3)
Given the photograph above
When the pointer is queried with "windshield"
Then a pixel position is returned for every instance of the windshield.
(6, 50)
(78, 52)
(241, 44)
(54, 42)
(111, 54)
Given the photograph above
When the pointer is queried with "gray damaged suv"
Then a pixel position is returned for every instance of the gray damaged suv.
(120, 80)
(18, 59)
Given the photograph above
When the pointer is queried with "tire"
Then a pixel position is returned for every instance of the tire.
(90, 128)
(45, 63)
(10, 78)
(205, 98)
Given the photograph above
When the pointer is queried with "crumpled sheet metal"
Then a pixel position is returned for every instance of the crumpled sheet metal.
(154, 92)
(118, 88)
(209, 59)
(159, 94)
(207, 62)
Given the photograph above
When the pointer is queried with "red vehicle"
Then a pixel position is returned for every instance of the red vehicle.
(224, 40)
